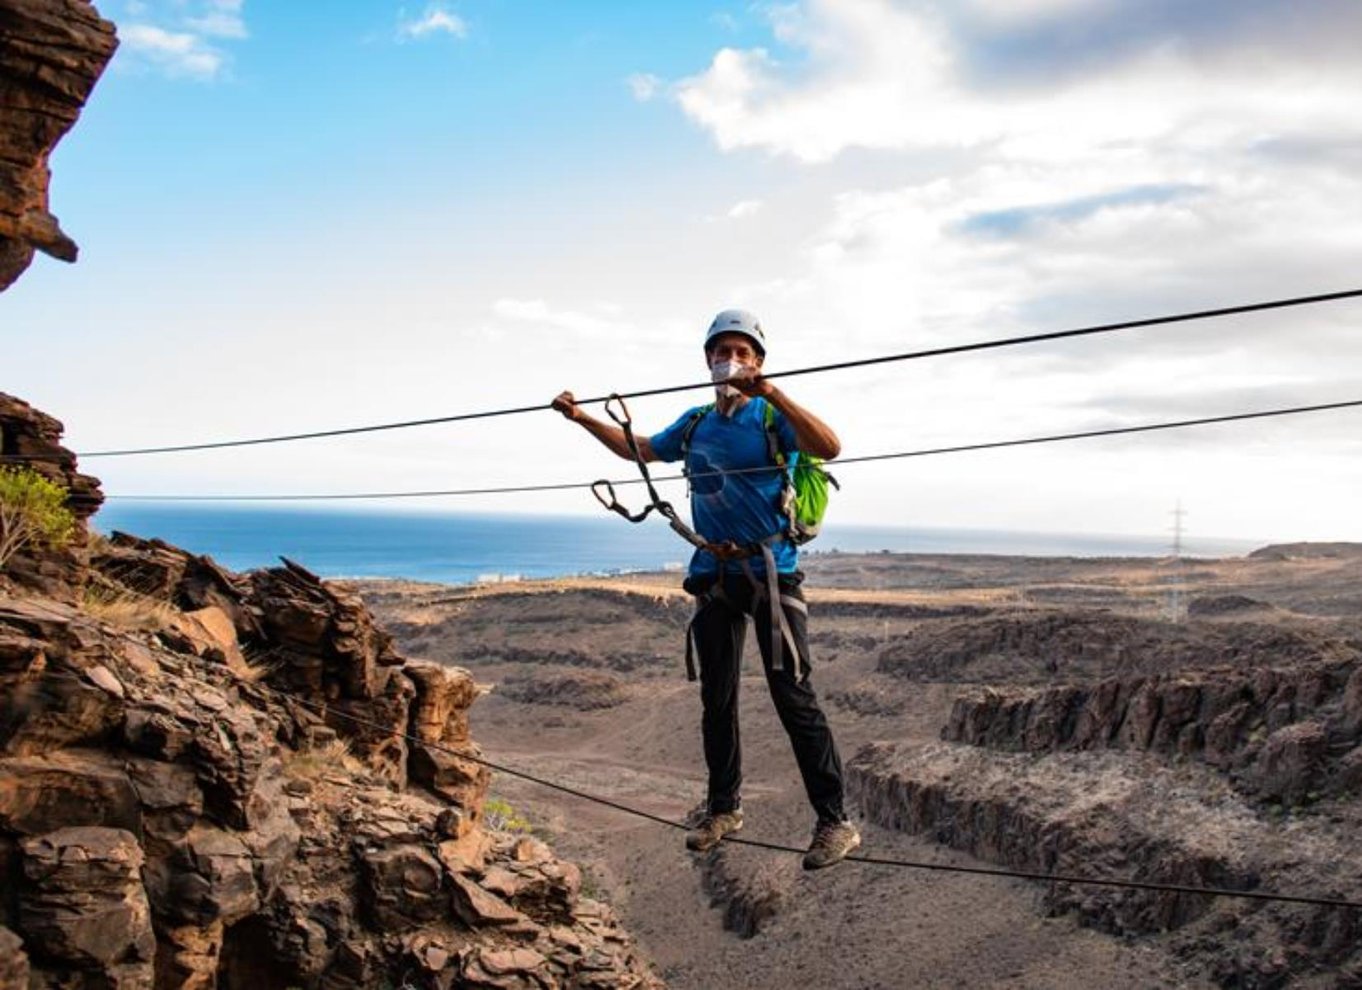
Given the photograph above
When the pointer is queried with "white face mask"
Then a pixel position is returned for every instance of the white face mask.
(724, 370)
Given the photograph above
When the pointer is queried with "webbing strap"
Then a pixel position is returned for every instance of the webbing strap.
(778, 617)
(781, 634)
(690, 647)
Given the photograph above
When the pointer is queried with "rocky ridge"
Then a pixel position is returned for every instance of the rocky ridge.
(33, 439)
(1284, 734)
(1043, 645)
(1132, 817)
(235, 780)
(51, 54)
(1211, 753)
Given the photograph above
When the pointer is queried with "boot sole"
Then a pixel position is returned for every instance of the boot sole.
(699, 848)
(808, 865)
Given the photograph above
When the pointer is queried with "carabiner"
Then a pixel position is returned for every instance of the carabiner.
(613, 503)
(623, 420)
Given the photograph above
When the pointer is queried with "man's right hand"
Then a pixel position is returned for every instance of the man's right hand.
(566, 403)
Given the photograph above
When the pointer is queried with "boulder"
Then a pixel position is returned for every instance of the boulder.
(209, 877)
(506, 969)
(477, 907)
(439, 712)
(467, 854)
(457, 780)
(325, 642)
(54, 673)
(78, 787)
(83, 905)
(545, 889)
(13, 961)
(403, 888)
(212, 635)
(305, 929)
(376, 726)
(188, 957)
(230, 747)
(170, 796)
(1292, 762)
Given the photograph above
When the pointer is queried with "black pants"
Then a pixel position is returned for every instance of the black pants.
(720, 628)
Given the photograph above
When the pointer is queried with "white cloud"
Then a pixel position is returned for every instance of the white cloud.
(725, 20)
(644, 86)
(1183, 172)
(173, 36)
(221, 19)
(435, 19)
(1024, 11)
(177, 53)
(882, 75)
(538, 312)
(744, 208)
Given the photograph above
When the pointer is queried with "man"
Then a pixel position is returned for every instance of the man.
(735, 512)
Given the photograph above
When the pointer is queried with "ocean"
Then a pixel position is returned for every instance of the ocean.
(460, 548)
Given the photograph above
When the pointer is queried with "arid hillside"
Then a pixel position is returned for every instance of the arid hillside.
(1042, 714)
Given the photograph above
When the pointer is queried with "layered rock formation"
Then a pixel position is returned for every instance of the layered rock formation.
(1284, 734)
(1115, 815)
(1046, 645)
(1208, 754)
(51, 54)
(32, 439)
(211, 779)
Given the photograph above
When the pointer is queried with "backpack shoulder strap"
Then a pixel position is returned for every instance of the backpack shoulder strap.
(689, 430)
(773, 450)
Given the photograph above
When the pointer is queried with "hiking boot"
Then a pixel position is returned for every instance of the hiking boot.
(711, 828)
(832, 841)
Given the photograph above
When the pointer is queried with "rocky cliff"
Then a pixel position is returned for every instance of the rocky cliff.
(211, 779)
(1211, 753)
(33, 439)
(51, 54)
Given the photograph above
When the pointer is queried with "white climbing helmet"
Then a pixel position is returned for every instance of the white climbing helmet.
(737, 321)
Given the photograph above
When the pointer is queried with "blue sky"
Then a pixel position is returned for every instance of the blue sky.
(298, 216)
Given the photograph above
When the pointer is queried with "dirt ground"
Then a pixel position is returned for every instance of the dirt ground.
(587, 687)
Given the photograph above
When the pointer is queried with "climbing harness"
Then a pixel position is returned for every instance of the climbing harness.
(769, 590)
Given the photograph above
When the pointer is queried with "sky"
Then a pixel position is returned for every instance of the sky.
(296, 217)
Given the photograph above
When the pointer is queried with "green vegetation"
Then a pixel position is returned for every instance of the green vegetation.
(499, 816)
(32, 512)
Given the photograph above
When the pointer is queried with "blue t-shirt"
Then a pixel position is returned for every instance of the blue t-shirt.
(739, 507)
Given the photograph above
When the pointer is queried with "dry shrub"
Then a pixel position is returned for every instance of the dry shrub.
(310, 762)
(128, 610)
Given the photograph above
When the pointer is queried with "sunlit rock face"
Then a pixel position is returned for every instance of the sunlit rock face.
(51, 54)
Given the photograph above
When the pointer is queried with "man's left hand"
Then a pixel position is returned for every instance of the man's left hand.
(752, 384)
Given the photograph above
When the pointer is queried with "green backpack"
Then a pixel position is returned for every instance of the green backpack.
(803, 499)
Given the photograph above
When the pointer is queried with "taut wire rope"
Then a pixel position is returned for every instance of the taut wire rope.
(1169, 888)
(865, 459)
(1034, 338)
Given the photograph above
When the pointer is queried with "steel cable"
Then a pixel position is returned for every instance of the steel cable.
(865, 459)
(1172, 888)
(1035, 338)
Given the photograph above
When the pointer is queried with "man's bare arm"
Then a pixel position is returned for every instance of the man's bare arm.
(812, 435)
(611, 436)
